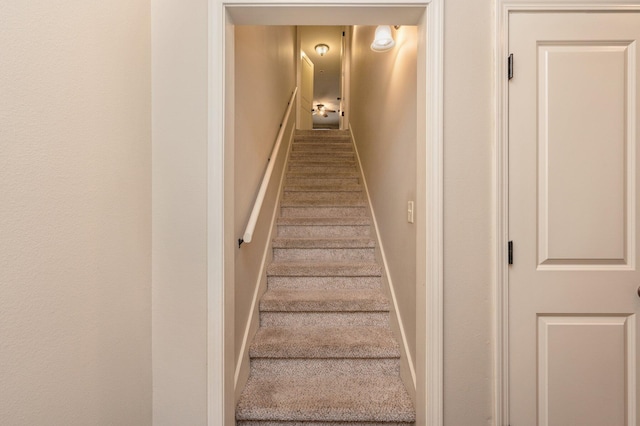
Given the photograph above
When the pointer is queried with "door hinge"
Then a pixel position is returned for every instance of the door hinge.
(510, 252)
(510, 66)
(343, 34)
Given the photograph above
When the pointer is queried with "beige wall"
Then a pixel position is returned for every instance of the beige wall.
(261, 100)
(468, 150)
(180, 126)
(383, 121)
(75, 213)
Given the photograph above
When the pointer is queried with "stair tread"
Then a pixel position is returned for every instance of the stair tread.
(324, 269)
(313, 150)
(345, 202)
(309, 140)
(353, 187)
(360, 398)
(324, 221)
(321, 175)
(324, 157)
(324, 342)
(312, 242)
(303, 300)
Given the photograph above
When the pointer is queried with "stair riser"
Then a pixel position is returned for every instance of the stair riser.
(334, 139)
(315, 211)
(277, 423)
(298, 168)
(335, 151)
(337, 157)
(326, 181)
(322, 196)
(324, 254)
(323, 231)
(293, 189)
(325, 367)
(322, 134)
(322, 283)
(323, 154)
(338, 140)
(315, 139)
(338, 150)
(324, 157)
(325, 319)
(322, 160)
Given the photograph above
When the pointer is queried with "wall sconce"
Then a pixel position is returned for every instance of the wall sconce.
(321, 49)
(383, 40)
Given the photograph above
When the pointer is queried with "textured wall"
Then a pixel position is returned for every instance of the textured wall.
(383, 120)
(75, 213)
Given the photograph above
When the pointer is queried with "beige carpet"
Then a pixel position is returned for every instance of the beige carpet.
(324, 354)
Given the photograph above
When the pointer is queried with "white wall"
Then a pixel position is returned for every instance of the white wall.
(261, 100)
(75, 213)
(383, 121)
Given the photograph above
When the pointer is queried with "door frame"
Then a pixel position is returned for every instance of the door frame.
(504, 8)
(299, 60)
(222, 15)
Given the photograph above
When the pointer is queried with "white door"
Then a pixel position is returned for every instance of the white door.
(573, 219)
(306, 93)
(343, 72)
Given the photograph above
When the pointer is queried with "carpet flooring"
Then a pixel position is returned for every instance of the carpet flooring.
(324, 354)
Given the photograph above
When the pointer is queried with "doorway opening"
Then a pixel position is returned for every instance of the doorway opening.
(428, 17)
(321, 53)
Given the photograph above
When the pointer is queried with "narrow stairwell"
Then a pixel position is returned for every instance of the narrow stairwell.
(324, 354)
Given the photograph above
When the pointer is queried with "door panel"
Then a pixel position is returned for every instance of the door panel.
(583, 148)
(568, 349)
(306, 93)
(573, 156)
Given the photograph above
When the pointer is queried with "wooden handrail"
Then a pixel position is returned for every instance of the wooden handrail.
(257, 207)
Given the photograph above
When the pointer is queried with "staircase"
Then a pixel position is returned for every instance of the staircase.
(324, 354)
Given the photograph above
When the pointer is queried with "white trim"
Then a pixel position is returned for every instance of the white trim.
(385, 264)
(434, 208)
(501, 205)
(216, 323)
(427, 13)
(501, 183)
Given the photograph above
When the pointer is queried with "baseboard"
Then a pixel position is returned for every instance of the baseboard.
(242, 362)
(407, 367)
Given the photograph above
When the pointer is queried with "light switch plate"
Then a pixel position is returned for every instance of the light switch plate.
(410, 212)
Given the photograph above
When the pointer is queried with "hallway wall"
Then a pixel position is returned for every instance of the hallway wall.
(383, 121)
(179, 66)
(468, 211)
(261, 99)
(75, 213)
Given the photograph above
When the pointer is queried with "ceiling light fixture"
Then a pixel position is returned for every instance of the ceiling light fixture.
(321, 49)
(383, 40)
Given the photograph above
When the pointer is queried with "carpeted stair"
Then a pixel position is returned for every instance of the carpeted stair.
(324, 354)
